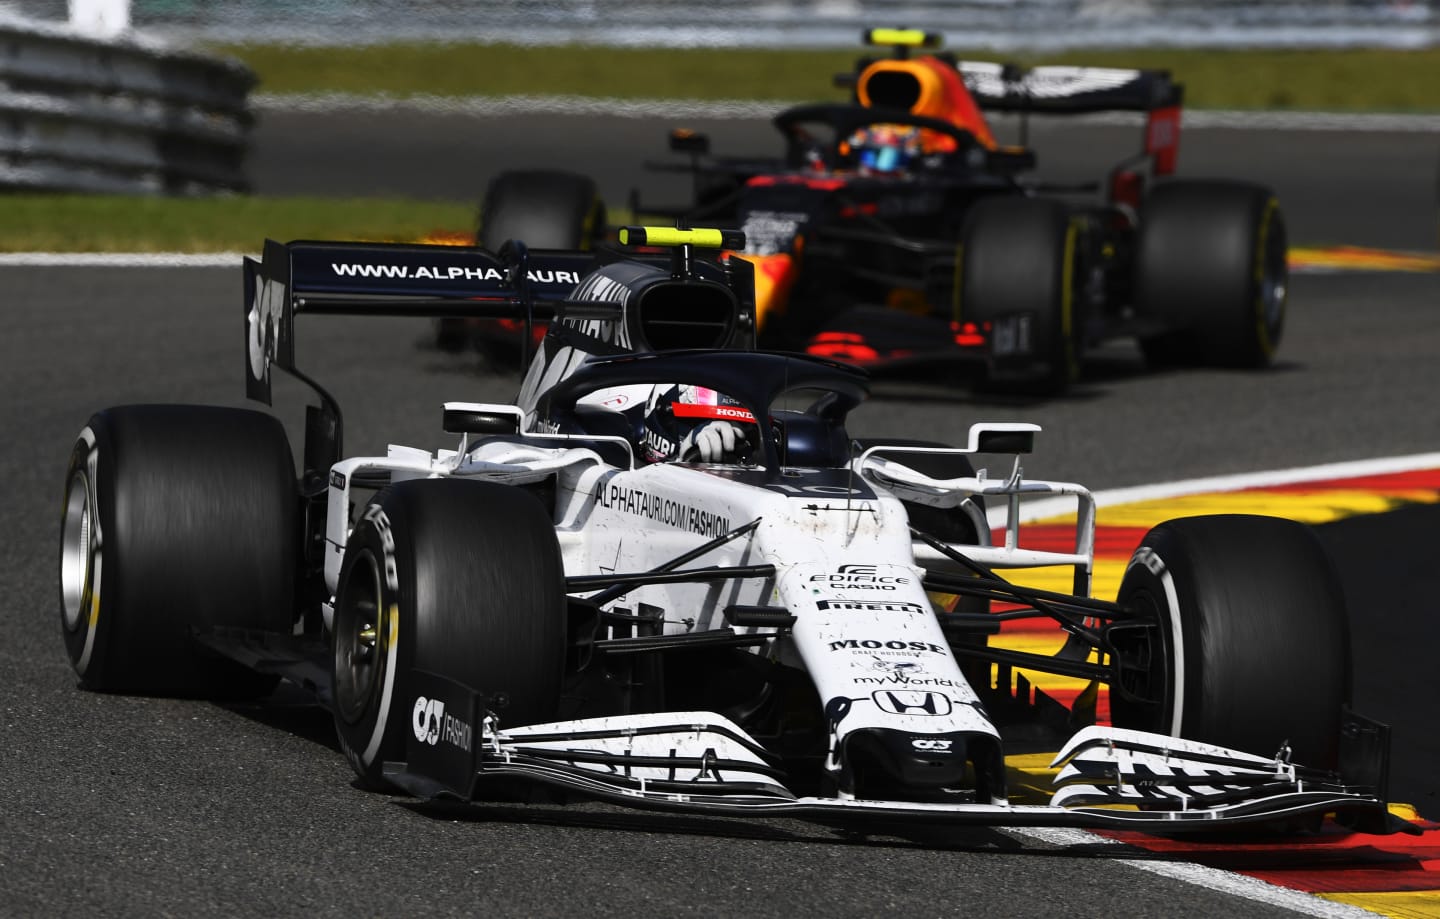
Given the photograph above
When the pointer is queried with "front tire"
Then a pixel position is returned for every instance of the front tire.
(460, 579)
(176, 518)
(1211, 273)
(1250, 641)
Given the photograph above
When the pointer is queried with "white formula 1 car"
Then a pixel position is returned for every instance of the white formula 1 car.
(802, 627)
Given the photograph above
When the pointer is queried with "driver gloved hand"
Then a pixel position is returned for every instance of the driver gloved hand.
(713, 442)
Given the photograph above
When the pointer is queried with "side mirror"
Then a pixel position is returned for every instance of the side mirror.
(480, 418)
(1002, 437)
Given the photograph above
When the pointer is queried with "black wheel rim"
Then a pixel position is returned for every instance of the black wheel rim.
(1141, 694)
(359, 654)
(1274, 275)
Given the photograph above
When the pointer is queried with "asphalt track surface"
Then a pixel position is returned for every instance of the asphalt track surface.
(137, 806)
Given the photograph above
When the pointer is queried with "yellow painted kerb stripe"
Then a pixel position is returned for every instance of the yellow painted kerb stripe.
(1405, 904)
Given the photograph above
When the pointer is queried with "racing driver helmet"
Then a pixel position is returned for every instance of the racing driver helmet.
(674, 412)
(885, 148)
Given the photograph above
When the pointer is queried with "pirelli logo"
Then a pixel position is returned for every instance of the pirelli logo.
(870, 606)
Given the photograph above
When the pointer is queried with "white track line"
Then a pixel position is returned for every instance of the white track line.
(501, 106)
(1228, 882)
(232, 259)
(121, 259)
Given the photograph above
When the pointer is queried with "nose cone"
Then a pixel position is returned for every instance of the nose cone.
(880, 757)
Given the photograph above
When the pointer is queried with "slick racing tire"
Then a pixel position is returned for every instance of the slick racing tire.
(1018, 274)
(177, 519)
(1210, 273)
(545, 209)
(1249, 640)
(461, 579)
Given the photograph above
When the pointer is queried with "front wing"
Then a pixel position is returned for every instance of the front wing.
(701, 762)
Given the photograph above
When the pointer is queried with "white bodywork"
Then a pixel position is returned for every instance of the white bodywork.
(816, 570)
(846, 567)
(845, 563)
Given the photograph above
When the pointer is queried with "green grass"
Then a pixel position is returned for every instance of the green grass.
(102, 223)
(1323, 80)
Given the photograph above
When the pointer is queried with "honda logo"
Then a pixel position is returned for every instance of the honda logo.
(911, 702)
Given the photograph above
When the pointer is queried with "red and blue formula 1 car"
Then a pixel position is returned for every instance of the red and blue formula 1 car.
(897, 229)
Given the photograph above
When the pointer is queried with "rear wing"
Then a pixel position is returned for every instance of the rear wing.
(1066, 90)
(383, 279)
(1053, 89)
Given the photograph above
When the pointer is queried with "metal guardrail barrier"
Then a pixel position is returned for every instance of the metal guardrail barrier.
(118, 115)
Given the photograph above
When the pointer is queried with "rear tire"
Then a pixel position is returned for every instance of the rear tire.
(1211, 271)
(1252, 645)
(460, 579)
(1019, 258)
(545, 209)
(187, 517)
